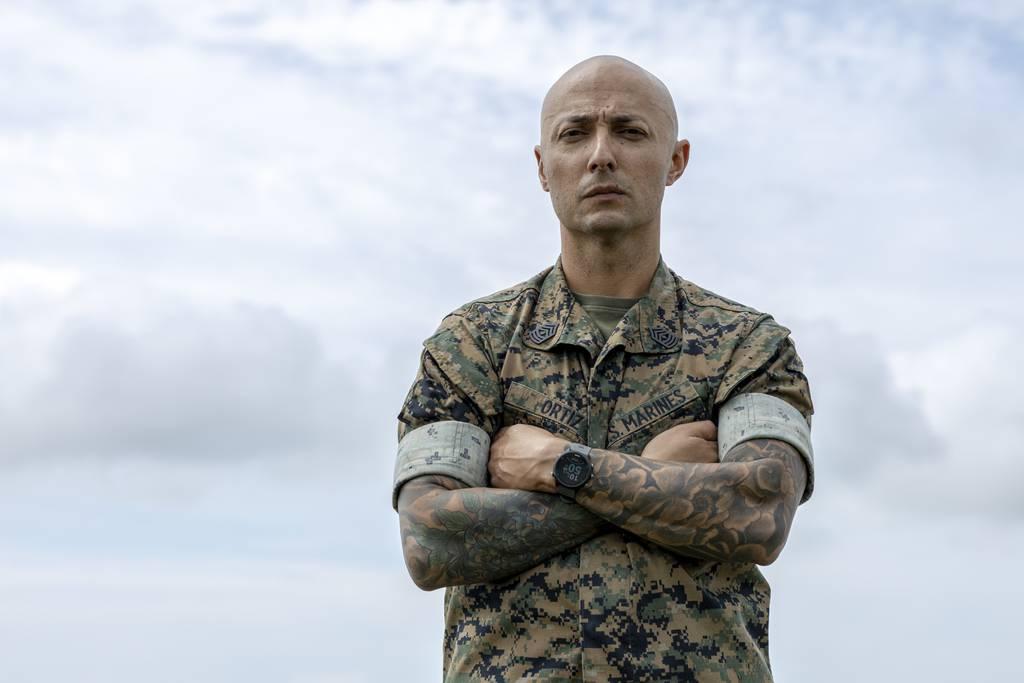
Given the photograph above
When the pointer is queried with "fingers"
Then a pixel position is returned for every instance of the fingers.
(692, 450)
(693, 442)
(707, 452)
(704, 429)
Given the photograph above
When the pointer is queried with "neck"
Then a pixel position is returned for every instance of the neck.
(610, 265)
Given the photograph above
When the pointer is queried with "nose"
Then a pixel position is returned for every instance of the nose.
(601, 156)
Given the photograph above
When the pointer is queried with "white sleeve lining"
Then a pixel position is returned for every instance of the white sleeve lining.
(760, 416)
(453, 449)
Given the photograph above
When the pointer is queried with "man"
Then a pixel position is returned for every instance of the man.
(559, 469)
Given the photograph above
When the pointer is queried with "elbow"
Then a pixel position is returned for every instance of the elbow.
(417, 563)
(770, 537)
(762, 554)
(419, 569)
(769, 553)
(766, 536)
(773, 510)
(425, 583)
(413, 506)
(772, 531)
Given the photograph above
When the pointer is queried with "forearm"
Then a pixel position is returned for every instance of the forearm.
(453, 536)
(739, 510)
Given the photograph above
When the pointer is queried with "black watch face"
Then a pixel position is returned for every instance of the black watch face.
(572, 470)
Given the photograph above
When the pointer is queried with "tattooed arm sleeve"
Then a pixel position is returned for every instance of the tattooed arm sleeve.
(453, 533)
(739, 510)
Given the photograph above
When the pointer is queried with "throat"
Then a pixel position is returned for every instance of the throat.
(619, 266)
(605, 311)
(615, 274)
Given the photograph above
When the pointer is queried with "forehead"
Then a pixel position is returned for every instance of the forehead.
(605, 92)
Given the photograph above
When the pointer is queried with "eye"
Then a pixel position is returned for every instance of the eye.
(571, 133)
(633, 132)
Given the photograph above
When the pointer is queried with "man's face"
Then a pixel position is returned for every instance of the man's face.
(608, 149)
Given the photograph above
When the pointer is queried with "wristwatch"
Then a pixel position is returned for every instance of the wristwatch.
(572, 470)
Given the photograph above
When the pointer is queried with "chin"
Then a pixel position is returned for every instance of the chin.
(604, 225)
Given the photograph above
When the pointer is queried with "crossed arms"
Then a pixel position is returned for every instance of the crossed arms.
(676, 495)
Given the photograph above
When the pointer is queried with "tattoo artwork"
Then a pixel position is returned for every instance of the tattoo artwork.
(453, 535)
(739, 510)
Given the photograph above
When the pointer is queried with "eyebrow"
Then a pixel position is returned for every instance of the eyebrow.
(583, 119)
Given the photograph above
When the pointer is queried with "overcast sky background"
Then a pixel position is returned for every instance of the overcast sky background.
(226, 228)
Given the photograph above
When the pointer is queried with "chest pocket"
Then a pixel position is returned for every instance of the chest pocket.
(529, 406)
(629, 431)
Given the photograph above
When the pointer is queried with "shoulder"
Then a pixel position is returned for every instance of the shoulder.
(708, 309)
(488, 322)
(747, 350)
(733, 341)
(501, 309)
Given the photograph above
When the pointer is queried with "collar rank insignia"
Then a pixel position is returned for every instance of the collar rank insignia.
(664, 336)
(538, 334)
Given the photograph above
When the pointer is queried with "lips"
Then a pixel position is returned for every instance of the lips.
(603, 189)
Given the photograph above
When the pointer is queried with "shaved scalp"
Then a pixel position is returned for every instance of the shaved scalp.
(608, 68)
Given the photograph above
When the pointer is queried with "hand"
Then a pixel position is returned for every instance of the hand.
(690, 442)
(523, 457)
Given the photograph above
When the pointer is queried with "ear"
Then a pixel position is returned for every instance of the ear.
(540, 169)
(680, 157)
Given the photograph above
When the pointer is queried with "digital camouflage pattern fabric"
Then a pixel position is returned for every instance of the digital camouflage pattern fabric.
(615, 607)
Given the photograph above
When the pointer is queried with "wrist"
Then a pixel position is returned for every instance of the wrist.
(546, 464)
(572, 470)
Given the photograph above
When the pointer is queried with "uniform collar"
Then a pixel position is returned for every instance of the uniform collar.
(651, 326)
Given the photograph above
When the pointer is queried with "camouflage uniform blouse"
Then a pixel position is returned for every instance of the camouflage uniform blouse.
(616, 608)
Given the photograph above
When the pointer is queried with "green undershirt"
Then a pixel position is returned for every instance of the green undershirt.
(605, 311)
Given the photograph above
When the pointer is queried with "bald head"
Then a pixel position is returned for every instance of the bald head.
(619, 78)
(608, 150)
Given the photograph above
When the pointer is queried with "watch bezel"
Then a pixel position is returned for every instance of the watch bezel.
(572, 452)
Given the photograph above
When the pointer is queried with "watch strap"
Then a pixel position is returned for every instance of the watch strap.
(565, 491)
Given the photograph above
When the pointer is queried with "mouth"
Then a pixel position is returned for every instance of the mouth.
(604, 192)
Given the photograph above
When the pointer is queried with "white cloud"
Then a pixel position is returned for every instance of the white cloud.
(176, 381)
(353, 172)
(19, 278)
(125, 619)
(887, 592)
(862, 421)
(967, 382)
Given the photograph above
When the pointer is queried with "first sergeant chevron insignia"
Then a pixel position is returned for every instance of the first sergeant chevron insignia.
(664, 336)
(538, 334)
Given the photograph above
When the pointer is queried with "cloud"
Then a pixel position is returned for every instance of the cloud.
(324, 137)
(366, 179)
(926, 432)
(226, 228)
(968, 383)
(906, 584)
(174, 382)
(863, 421)
(264, 621)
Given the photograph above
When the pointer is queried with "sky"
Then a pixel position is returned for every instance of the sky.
(227, 227)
